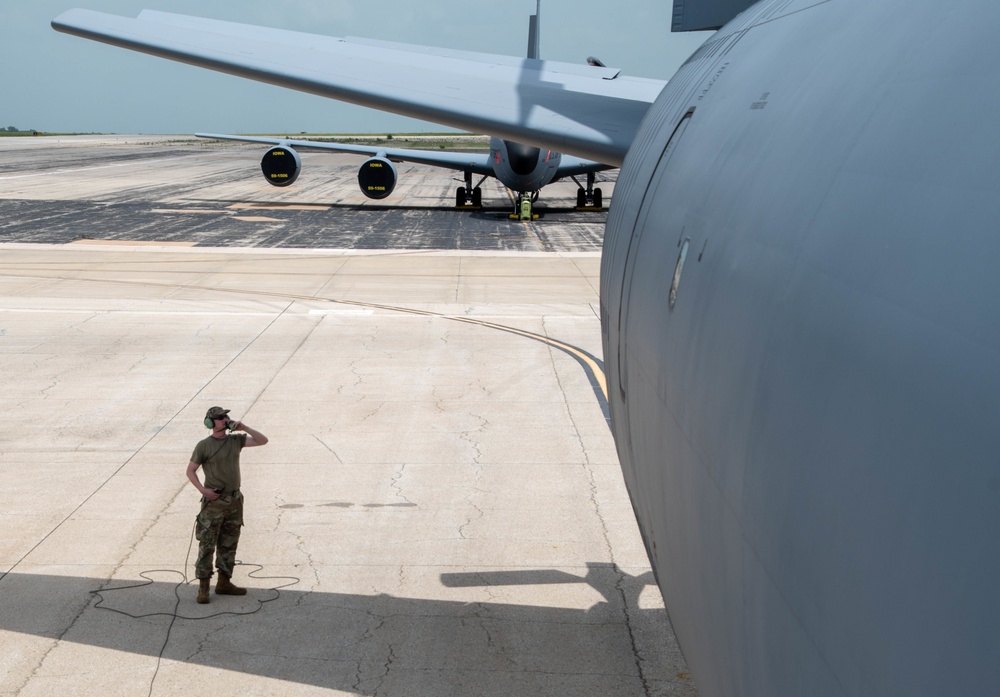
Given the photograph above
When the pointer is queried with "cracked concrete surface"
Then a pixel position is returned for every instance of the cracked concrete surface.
(447, 495)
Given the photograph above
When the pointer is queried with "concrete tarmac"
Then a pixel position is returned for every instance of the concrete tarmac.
(439, 511)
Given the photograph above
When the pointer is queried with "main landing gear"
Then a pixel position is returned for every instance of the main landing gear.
(588, 199)
(469, 196)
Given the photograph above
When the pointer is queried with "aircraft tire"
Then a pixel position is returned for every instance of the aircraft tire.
(598, 199)
(460, 196)
(477, 197)
(581, 198)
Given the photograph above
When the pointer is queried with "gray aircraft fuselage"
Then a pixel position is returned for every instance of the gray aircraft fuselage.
(522, 168)
(799, 296)
(798, 302)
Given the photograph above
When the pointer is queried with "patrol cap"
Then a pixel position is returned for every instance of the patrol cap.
(216, 412)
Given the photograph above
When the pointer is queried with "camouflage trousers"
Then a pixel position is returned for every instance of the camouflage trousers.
(217, 529)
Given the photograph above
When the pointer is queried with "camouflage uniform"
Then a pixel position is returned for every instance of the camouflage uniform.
(219, 522)
(218, 533)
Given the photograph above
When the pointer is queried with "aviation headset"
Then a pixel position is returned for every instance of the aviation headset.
(210, 422)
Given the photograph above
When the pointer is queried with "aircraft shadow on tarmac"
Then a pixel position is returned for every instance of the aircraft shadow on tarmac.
(353, 642)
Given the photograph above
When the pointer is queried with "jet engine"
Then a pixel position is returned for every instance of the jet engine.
(377, 177)
(281, 166)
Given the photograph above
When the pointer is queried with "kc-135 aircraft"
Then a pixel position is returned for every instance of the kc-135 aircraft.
(524, 169)
(799, 309)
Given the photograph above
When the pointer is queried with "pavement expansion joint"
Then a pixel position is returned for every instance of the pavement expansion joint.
(329, 449)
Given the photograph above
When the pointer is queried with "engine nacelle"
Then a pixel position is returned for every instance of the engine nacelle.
(281, 166)
(377, 177)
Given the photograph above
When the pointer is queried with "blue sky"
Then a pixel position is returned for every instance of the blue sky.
(55, 82)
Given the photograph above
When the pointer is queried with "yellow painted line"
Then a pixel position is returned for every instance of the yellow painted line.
(525, 223)
(582, 356)
(278, 207)
(585, 358)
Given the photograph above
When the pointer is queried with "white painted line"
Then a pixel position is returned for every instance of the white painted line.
(344, 313)
(137, 312)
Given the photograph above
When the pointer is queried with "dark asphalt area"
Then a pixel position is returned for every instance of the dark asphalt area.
(193, 194)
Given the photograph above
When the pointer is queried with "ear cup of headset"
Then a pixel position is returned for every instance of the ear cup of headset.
(208, 422)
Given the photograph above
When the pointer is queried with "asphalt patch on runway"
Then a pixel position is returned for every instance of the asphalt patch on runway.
(222, 224)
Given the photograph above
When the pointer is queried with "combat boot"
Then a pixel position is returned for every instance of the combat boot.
(225, 587)
(204, 585)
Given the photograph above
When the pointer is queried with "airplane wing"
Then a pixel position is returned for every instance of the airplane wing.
(589, 111)
(478, 163)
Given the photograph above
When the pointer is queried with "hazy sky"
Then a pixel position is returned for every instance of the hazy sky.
(56, 82)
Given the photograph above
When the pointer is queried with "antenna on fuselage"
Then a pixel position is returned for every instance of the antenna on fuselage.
(533, 37)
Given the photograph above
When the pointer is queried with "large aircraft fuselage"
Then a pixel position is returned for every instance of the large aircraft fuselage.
(799, 294)
(522, 167)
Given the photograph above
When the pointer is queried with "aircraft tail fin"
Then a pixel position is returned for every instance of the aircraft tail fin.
(696, 15)
(533, 38)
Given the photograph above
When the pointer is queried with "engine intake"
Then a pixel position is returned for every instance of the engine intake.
(281, 166)
(377, 177)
